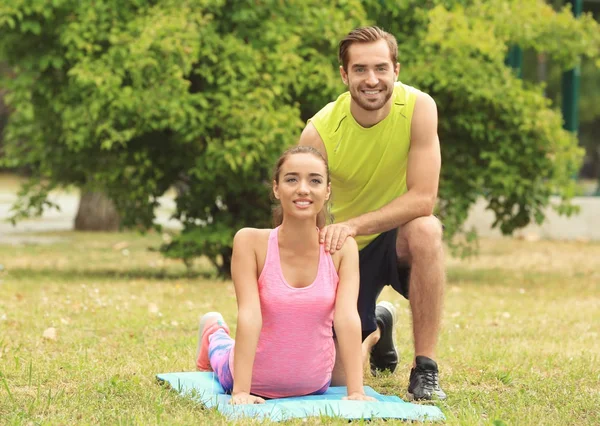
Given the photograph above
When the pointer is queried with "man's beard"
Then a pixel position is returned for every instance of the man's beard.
(357, 96)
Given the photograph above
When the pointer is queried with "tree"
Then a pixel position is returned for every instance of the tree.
(3, 117)
(589, 108)
(132, 98)
(3, 109)
(500, 137)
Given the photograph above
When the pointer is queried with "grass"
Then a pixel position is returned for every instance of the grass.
(519, 343)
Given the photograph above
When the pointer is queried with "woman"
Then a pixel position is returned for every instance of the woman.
(290, 293)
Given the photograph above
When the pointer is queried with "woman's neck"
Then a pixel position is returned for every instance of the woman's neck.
(298, 234)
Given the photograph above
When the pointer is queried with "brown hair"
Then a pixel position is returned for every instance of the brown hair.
(323, 216)
(366, 35)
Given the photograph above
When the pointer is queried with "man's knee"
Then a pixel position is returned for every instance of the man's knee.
(423, 235)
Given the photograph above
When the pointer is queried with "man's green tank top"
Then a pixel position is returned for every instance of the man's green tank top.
(367, 165)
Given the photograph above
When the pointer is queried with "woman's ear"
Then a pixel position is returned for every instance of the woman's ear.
(275, 190)
(328, 191)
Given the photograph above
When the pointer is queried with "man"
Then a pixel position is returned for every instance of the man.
(380, 140)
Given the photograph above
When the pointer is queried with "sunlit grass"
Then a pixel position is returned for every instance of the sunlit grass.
(519, 343)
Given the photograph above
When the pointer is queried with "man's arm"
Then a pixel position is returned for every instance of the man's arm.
(310, 137)
(422, 179)
(422, 176)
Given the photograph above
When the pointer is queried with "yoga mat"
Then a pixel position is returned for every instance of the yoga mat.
(205, 388)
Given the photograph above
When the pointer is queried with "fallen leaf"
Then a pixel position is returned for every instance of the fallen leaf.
(50, 334)
(531, 237)
(120, 245)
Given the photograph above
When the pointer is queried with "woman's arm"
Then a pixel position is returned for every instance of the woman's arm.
(347, 322)
(249, 322)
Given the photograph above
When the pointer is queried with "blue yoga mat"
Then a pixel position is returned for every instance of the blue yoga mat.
(205, 388)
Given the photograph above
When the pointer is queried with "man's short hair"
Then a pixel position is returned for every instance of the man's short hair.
(366, 35)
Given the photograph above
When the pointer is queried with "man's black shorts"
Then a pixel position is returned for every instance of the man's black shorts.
(379, 267)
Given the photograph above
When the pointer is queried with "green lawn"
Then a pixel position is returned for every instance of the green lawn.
(519, 345)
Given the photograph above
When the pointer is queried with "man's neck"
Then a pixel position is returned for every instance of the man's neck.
(370, 118)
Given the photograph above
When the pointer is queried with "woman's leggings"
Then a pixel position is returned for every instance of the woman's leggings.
(220, 349)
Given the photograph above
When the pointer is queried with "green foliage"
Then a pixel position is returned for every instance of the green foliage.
(136, 97)
(499, 136)
(133, 98)
(589, 108)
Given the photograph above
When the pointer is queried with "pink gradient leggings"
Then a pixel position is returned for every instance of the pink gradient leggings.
(219, 352)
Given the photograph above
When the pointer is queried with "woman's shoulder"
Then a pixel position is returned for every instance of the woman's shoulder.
(253, 242)
(349, 250)
(349, 247)
(251, 236)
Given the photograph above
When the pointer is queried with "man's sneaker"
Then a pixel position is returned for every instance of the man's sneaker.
(209, 323)
(424, 382)
(384, 355)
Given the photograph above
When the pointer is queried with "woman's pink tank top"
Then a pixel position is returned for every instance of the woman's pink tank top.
(295, 353)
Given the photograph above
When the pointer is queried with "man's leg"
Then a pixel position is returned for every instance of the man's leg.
(338, 376)
(419, 244)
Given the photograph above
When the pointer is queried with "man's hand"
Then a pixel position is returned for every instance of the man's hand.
(358, 396)
(245, 398)
(334, 236)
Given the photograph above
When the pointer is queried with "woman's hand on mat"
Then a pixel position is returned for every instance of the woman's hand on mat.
(245, 398)
(358, 396)
(334, 236)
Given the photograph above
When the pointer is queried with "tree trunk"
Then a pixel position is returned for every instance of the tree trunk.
(96, 212)
(3, 114)
(542, 69)
(225, 268)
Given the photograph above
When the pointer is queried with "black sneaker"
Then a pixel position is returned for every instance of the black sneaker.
(424, 383)
(384, 356)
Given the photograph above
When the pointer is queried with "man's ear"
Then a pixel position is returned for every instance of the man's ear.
(344, 75)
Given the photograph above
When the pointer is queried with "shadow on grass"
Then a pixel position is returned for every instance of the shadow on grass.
(66, 275)
(517, 278)
(496, 275)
